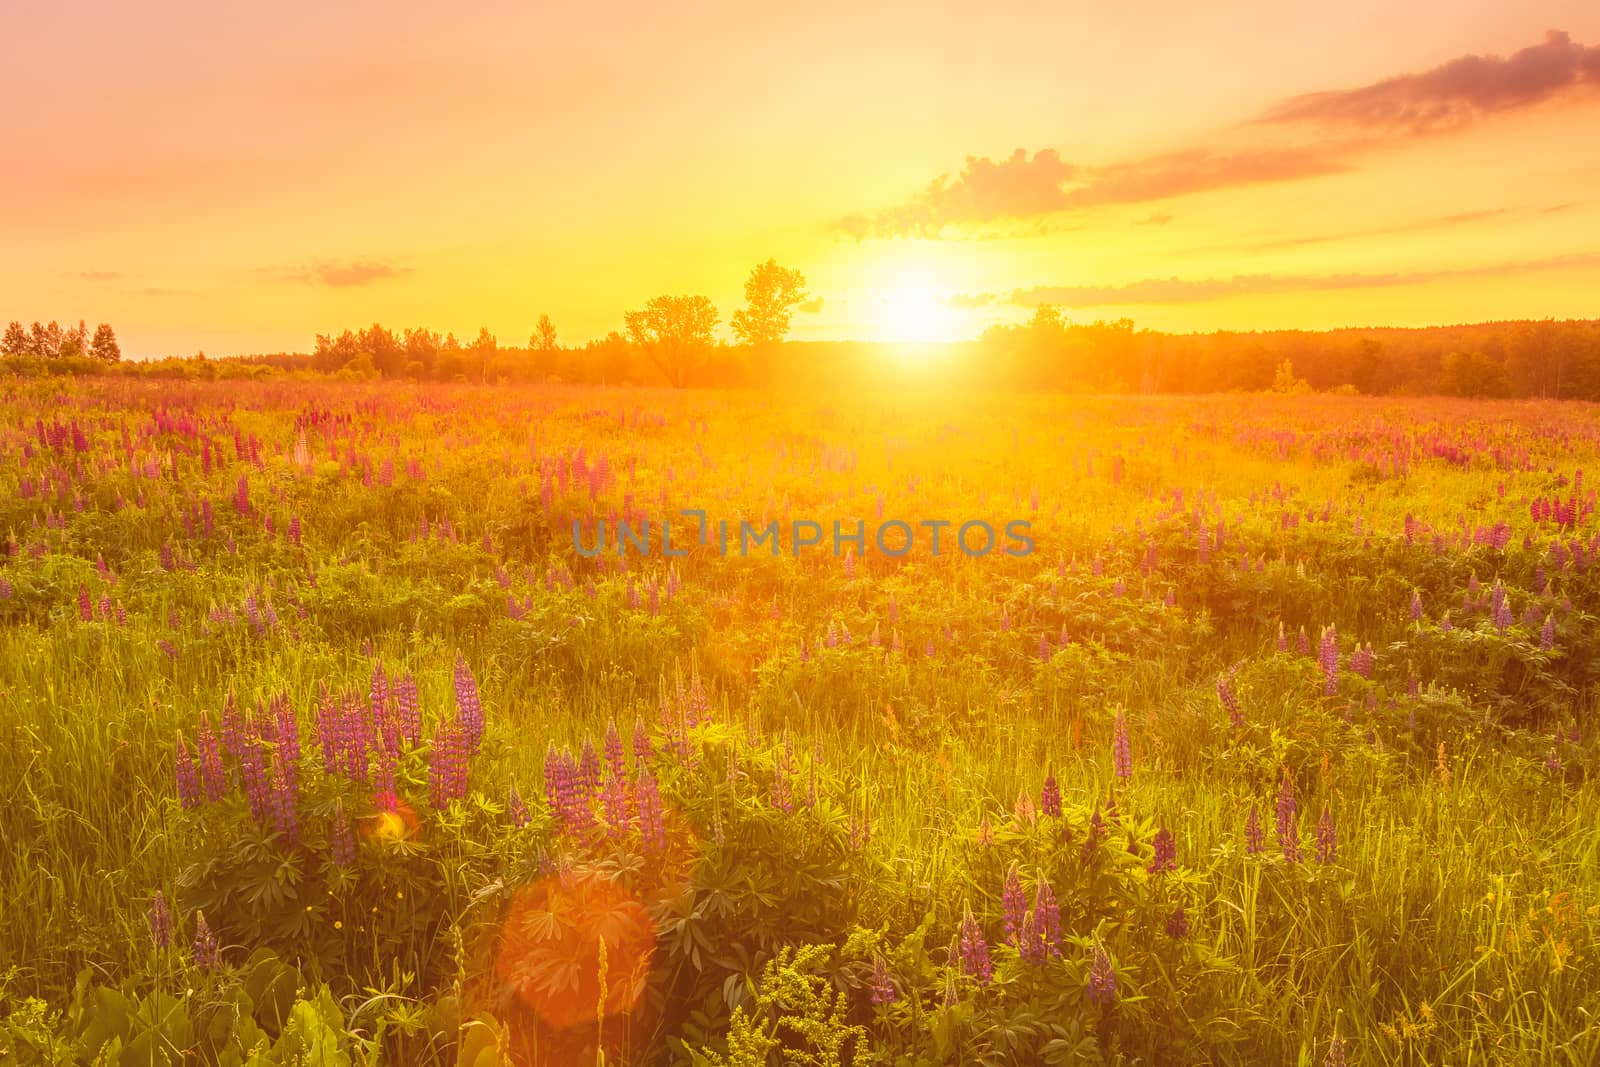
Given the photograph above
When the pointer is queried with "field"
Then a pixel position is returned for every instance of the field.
(322, 742)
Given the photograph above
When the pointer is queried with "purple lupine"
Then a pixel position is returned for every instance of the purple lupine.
(1283, 640)
(1553, 763)
(344, 836)
(1121, 748)
(1328, 659)
(782, 792)
(188, 776)
(233, 732)
(1178, 924)
(1303, 643)
(517, 808)
(378, 691)
(1336, 1056)
(1050, 796)
(643, 752)
(85, 605)
(211, 772)
(1230, 699)
(1047, 917)
(974, 949)
(207, 954)
(1255, 838)
(882, 988)
(1327, 837)
(589, 772)
(1029, 948)
(1166, 853)
(410, 709)
(614, 803)
(160, 921)
(1547, 634)
(469, 709)
(1288, 823)
(283, 801)
(1013, 905)
(613, 747)
(647, 800)
(1096, 834)
(1361, 660)
(447, 765)
(1416, 606)
(1102, 981)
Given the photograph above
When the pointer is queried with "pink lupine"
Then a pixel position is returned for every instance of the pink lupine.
(187, 775)
(1327, 839)
(211, 771)
(1102, 980)
(1328, 659)
(974, 949)
(1122, 749)
(1288, 822)
(1013, 905)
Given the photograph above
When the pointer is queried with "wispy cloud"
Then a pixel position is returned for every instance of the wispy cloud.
(342, 274)
(811, 306)
(1347, 126)
(1193, 290)
(1454, 94)
(968, 301)
(99, 275)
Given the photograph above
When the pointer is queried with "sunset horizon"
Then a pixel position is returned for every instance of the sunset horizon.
(212, 183)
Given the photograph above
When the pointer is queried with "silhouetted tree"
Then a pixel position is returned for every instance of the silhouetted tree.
(104, 346)
(482, 350)
(771, 294)
(15, 342)
(675, 334)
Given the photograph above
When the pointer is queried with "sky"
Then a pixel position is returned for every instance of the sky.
(206, 177)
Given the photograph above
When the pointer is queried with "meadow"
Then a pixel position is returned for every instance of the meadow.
(320, 742)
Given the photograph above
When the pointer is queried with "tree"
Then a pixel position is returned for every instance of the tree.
(104, 346)
(1284, 380)
(674, 332)
(46, 340)
(1473, 374)
(770, 295)
(544, 337)
(15, 342)
(483, 350)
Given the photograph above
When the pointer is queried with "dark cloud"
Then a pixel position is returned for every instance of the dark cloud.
(1455, 94)
(1189, 291)
(1362, 120)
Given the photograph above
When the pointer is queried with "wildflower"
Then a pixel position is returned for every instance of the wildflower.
(1327, 837)
(1047, 917)
(160, 921)
(1254, 836)
(1552, 763)
(469, 710)
(207, 955)
(974, 949)
(1416, 606)
(613, 747)
(447, 765)
(1102, 982)
(1547, 635)
(1229, 699)
(1178, 924)
(517, 808)
(1013, 905)
(188, 776)
(614, 799)
(1050, 796)
(589, 771)
(1336, 1056)
(1122, 750)
(283, 799)
(882, 989)
(643, 753)
(1283, 640)
(1166, 853)
(344, 837)
(1328, 659)
(782, 794)
(1288, 824)
(647, 800)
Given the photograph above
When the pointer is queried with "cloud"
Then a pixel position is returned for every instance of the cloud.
(1157, 219)
(810, 307)
(99, 275)
(1455, 94)
(1189, 291)
(967, 301)
(341, 274)
(1346, 125)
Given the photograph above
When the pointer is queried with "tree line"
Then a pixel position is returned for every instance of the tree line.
(53, 341)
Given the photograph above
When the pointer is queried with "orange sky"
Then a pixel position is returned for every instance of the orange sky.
(209, 180)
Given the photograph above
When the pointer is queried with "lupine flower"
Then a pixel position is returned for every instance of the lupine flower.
(643, 752)
(1178, 924)
(516, 809)
(1029, 947)
(188, 777)
(1328, 659)
(1416, 606)
(1552, 763)
(614, 799)
(207, 955)
(1547, 635)
(1283, 640)
(283, 801)
(1336, 1056)
(974, 949)
(1096, 834)
(85, 605)
(1327, 837)
(344, 837)
(160, 921)
(882, 989)
(1047, 917)
(1288, 824)
(447, 765)
(1229, 699)
(1254, 836)
(409, 709)
(613, 746)
(1013, 905)
(589, 773)
(1303, 643)
(1050, 796)
(647, 799)
(1166, 853)
(782, 793)
(1102, 982)
(469, 710)
(1121, 748)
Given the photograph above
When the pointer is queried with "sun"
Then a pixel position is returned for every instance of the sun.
(912, 311)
